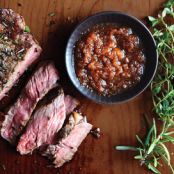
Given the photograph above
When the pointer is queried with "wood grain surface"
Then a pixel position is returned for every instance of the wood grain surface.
(119, 123)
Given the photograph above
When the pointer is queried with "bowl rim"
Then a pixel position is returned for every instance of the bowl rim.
(114, 13)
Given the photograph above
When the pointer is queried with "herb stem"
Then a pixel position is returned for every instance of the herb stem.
(153, 147)
(165, 97)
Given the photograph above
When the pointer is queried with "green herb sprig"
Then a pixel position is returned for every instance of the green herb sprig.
(27, 29)
(152, 150)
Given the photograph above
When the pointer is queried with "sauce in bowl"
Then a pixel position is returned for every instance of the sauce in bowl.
(109, 59)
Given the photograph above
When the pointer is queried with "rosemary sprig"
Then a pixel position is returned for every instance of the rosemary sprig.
(153, 148)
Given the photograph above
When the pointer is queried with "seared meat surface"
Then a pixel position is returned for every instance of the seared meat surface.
(18, 49)
(43, 79)
(70, 138)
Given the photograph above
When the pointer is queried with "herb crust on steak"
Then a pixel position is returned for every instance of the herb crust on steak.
(18, 49)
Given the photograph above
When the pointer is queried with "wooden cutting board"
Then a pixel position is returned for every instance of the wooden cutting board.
(51, 22)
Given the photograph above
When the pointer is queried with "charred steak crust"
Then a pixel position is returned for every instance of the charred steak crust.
(70, 138)
(43, 79)
(46, 121)
(18, 49)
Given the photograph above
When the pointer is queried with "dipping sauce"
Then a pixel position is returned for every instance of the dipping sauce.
(109, 59)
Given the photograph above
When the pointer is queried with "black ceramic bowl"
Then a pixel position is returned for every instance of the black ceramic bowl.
(139, 29)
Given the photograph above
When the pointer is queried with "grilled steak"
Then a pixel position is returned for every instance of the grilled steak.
(70, 104)
(71, 136)
(18, 49)
(43, 80)
(46, 121)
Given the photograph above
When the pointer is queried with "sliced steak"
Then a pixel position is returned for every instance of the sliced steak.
(46, 121)
(43, 80)
(71, 136)
(70, 104)
(18, 49)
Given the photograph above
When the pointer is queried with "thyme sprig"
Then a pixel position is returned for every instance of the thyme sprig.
(152, 150)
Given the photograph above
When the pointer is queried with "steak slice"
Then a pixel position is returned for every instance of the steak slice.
(70, 104)
(46, 121)
(43, 80)
(18, 49)
(71, 136)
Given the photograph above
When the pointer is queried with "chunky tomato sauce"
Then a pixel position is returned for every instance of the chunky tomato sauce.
(109, 59)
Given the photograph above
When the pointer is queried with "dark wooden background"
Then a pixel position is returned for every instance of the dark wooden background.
(51, 22)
